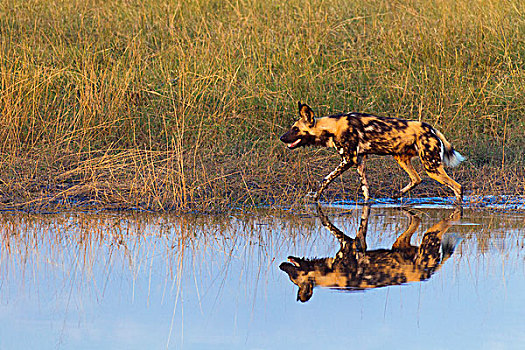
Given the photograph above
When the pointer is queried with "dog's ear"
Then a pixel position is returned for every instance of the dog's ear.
(305, 292)
(306, 114)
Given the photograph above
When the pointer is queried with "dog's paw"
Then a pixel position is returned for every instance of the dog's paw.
(369, 201)
(457, 214)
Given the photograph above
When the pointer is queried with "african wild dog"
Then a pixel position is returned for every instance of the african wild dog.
(356, 268)
(355, 135)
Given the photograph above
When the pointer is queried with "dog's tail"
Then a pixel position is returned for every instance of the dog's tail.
(450, 157)
(448, 245)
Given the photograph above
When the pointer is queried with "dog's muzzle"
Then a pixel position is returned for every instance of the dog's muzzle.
(290, 143)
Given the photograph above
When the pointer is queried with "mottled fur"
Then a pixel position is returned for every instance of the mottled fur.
(356, 135)
(356, 268)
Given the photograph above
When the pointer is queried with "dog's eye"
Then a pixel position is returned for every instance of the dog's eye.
(295, 129)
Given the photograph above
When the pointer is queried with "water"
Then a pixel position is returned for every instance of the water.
(145, 281)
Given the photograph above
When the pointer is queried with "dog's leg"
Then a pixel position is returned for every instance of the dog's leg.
(341, 168)
(360, 240)
(345, 241)
(403, 241)
(362, 176)
(428, 253)
(442, 177)
(432, 161)
(404, 162)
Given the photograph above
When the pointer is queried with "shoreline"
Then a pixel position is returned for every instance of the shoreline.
(345, 192)
(152, 181)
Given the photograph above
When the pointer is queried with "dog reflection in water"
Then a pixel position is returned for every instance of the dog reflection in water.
(356, 268)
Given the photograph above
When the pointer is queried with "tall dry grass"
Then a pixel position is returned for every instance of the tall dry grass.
(178, 104)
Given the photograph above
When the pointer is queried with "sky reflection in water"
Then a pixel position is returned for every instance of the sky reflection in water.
(135, 281)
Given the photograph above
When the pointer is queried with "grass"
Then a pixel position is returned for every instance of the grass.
(179, 105)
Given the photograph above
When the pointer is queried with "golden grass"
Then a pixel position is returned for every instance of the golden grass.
(178, 105)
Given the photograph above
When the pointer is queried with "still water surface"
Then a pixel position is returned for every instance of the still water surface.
(423, 278)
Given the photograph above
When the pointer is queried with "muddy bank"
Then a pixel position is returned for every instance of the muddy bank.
(140, 180)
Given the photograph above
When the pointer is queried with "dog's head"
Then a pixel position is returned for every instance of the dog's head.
(300, 134)
(298, 271)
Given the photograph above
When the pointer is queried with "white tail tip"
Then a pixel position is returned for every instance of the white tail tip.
(454, 159)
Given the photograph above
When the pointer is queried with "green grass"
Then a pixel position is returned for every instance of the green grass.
(178, 105)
